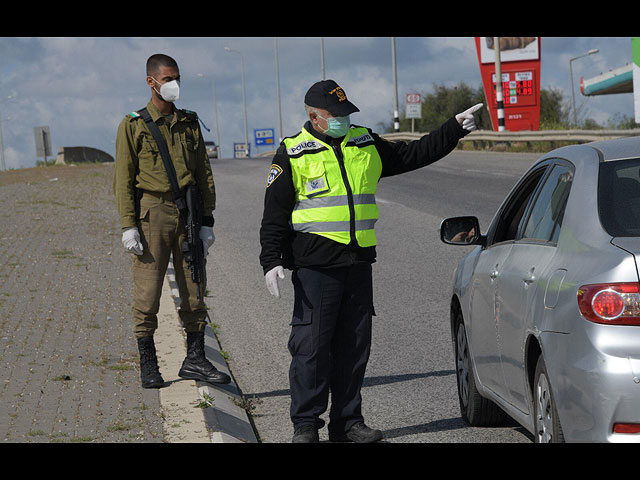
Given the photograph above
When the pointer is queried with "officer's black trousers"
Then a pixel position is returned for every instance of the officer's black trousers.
(330, 344)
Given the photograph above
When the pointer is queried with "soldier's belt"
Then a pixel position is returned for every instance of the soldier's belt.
(165, 196)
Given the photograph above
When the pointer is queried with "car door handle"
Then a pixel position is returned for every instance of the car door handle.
(493, 275)
(530, 278)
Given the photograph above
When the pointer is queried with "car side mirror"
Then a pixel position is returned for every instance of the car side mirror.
(461, 231)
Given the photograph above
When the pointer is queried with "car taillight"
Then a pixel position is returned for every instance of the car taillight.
(610, 303)
(626, 428)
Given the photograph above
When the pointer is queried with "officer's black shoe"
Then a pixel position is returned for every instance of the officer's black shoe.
(358, 433)
(149, 373)
(196, 366)
(306, 434)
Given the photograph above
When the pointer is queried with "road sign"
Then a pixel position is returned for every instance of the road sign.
(241, 150)
(414, 105)
(264, 136)
(42, 137)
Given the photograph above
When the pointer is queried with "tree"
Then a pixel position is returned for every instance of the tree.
(554, 112)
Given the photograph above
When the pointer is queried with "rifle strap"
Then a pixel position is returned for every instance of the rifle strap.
(178, 197)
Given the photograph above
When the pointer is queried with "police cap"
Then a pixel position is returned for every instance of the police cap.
(328, 95)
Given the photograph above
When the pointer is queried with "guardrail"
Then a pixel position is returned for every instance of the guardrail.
(578, 136)
(483, 137)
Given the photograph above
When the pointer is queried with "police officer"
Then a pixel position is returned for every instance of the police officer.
(318, 220)
(152, 228)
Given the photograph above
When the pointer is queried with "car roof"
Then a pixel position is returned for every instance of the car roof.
(599, 151)
(617, 149)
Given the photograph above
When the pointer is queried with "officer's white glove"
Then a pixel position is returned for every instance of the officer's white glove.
(466, 120)
(207, 237)
(131, 241)
(271, 278)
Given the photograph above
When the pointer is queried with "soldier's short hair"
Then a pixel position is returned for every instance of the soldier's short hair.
(154, 62)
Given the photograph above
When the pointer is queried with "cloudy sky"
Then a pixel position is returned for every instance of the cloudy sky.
(81, 87)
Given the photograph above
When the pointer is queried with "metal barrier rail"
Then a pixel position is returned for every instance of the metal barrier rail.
(489, 136)
(529, 136)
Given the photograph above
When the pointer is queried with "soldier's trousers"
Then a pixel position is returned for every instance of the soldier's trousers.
(161, 233)
(330, 343)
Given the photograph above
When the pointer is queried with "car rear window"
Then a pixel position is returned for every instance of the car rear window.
(619, 197)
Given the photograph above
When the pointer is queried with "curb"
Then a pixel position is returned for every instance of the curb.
(225, 420)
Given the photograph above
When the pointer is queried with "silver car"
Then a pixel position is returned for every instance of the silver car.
(545, 310)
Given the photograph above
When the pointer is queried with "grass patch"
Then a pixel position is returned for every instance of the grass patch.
(119, 427)
(205, 402)
(64, 253)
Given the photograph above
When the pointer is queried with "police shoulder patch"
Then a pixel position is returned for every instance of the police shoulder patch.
(133, 114)
(274, 172)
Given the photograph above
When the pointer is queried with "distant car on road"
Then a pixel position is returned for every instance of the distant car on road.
(212, 149)
(545, 311)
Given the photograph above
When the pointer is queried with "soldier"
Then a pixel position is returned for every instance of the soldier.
(152, 228)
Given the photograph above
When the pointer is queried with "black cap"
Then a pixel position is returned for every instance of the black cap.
(330, 96)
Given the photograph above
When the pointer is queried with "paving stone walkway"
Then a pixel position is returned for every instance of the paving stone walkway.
(68, 360)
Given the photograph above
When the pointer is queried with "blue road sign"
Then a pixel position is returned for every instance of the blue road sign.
(264, 136)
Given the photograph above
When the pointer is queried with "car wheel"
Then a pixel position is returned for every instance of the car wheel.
(476, 410)
(547, 426)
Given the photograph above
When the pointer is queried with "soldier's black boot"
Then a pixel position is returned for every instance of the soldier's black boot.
(149, 372)
(196, 366)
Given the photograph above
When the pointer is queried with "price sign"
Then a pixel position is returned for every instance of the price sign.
(518, 88)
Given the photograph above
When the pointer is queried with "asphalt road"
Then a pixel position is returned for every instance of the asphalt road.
(410, 386)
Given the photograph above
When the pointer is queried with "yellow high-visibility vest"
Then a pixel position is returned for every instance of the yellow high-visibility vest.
(329, 191)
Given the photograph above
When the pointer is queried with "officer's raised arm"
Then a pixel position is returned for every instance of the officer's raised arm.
(400, 157)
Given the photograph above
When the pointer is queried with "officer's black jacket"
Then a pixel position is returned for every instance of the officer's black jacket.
(283, 246)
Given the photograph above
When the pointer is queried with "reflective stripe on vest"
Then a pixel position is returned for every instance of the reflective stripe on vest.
(322, 198)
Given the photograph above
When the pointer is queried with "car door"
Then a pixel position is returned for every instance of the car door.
(525, 274)
(485, 298)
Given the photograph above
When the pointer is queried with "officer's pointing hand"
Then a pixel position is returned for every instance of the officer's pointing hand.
(131, 241)
(466, 120)
(271, 278)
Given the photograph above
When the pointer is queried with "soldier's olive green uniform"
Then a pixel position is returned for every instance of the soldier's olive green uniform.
(139, 164)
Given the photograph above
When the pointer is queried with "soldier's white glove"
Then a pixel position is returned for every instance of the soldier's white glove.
(131, 241)
(466, 120)
(207, 237)
(271, 278)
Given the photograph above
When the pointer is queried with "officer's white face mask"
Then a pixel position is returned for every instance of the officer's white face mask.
(170, 91)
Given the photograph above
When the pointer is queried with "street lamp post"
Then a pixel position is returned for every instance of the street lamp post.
(573, 98)
(278, 92)
(244, 98)
(322, 55)
(215, 113)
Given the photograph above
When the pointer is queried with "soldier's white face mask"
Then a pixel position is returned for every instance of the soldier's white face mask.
(170, 91)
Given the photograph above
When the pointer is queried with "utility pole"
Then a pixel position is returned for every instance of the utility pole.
(499, 98)
(396, 116)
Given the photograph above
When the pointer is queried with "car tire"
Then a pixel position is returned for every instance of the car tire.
(547, 424)
(476, 410)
